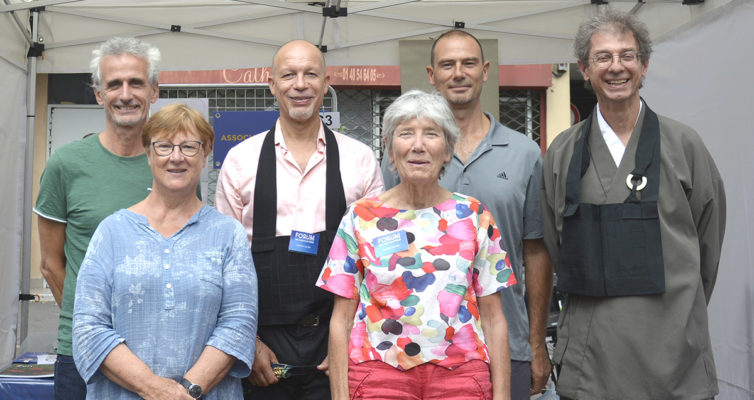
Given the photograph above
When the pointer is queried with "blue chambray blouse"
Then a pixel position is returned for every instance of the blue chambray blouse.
(166, 299)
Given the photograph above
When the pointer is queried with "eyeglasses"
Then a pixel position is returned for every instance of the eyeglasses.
(188, 148)
(604, 60)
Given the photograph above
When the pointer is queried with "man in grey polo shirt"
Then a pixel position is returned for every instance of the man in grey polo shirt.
(503, 169)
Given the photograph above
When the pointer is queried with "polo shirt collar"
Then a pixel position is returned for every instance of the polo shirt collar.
(496, 136)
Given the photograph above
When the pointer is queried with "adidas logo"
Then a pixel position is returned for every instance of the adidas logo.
(502, 175)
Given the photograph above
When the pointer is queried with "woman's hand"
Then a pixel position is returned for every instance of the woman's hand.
(165, 389)
(261, 371)
(211, 367)
(125, 369)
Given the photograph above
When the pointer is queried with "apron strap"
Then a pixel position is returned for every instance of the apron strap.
(647, 164)
(265, 196)
(335, 196)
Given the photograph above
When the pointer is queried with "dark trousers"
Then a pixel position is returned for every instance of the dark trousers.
(520, 380)
(68, 383)
(299, 346)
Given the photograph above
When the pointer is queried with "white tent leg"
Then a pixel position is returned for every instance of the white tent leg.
(31, 87)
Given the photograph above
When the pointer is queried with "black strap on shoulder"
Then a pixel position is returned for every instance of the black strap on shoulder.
(335, 196)
(647, 163)
(265, 192)
(577, 168)
(265, 196)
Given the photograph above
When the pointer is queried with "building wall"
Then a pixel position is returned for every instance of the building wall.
(363, 94)
(558, 106)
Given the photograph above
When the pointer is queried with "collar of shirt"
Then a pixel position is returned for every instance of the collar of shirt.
(614, 144)
(321, 146)
(496, 137)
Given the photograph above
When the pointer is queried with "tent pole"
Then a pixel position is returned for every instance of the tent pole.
(31, 87)
(322, 30)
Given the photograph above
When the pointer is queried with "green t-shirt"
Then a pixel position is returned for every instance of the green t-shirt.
(81, 185)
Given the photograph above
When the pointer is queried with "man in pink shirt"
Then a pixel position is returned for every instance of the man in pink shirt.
(290, 187)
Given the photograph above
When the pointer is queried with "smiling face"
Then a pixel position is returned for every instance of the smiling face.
(458, 71)
(176, 172)
(419, 151)
(125, 92)
(617, 83)
(299, 81)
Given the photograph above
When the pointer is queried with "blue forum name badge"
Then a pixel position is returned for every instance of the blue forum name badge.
(391, 243)
(302, 242)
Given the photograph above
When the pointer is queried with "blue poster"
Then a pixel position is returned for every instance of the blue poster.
(233, 127)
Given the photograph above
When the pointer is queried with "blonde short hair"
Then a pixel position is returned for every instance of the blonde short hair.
(177, 118)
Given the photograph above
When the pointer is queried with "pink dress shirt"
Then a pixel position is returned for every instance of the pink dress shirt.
(301, 194)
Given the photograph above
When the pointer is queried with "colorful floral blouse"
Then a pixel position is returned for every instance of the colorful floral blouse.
(418, 300)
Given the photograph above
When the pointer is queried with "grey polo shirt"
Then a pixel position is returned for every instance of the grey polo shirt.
(504, 172)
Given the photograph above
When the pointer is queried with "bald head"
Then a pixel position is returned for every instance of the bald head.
(299, 48)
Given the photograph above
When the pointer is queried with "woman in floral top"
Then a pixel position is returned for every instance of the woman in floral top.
(415, 272)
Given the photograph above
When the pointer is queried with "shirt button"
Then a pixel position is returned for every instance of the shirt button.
(167, 266)
(168, 285)
(167, 251)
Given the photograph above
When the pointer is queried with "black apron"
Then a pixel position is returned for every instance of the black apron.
(614, 249)
(287, 290)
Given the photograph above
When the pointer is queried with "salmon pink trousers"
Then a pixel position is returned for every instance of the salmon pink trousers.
(376, 380)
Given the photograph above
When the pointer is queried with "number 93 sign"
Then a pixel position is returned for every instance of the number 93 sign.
(331, 119)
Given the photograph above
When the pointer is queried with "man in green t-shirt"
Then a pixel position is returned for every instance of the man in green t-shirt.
(87, 180)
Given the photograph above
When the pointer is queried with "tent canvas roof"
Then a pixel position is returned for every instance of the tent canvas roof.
(217, 34)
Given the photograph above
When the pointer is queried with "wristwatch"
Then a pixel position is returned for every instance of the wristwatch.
(194, 390)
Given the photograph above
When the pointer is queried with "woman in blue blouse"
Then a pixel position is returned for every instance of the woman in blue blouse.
(166, 301)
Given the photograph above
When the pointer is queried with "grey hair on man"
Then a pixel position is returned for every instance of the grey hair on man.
(419, 104)
(616, 22)
(125, 45)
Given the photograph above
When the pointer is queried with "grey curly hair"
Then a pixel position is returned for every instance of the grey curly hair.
(612, 21)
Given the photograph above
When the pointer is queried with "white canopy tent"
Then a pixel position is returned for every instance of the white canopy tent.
(219, 34)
